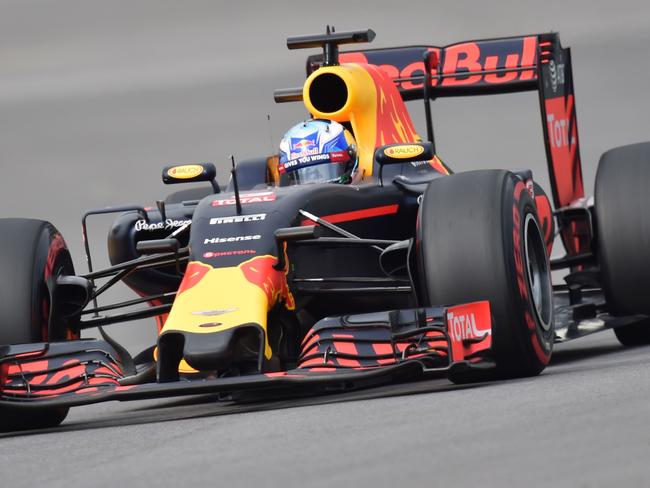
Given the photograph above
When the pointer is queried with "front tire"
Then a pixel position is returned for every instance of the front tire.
(32, 254)
(622, 202)
(479, 238)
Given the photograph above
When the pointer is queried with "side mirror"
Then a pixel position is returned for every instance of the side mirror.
(161, 246)
(156, 246)
(403, 153)
(190, 173)
(292, 234)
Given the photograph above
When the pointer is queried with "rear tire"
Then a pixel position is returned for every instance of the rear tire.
(479, 238)
(32, 254)
(622, 206)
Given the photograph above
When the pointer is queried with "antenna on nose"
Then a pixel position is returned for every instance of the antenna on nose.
(233, 173)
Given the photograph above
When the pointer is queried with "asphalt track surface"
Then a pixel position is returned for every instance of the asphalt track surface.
(95, 97)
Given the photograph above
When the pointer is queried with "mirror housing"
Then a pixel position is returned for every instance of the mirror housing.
(292, 234)
(191, 173)
(156, 246)
(404, 153)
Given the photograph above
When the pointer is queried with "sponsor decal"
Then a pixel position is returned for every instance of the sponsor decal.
(185, 172)
(303, 144)
(469, 328)
(411, 65)
(417, 164)
(212, 313)
(562, 133)
(236, 219)
(236, 252)
(302, 147)
(467, 63)
(310, 160)
(462, 326)
(405, 151)
(558, 131)
(167, 224)
(260, 197)
(556, 73)
(475, 57)
(310, 152)
(222, 240)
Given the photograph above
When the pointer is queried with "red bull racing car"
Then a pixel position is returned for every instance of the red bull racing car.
(408, 272)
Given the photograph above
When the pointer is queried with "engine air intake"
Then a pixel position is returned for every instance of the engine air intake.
(328, 93)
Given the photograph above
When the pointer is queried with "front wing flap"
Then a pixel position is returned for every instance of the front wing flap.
(339, 353)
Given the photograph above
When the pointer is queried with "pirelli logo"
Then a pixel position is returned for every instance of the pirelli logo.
(235, 219)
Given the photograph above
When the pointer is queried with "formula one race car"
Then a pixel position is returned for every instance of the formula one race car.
(409, 272)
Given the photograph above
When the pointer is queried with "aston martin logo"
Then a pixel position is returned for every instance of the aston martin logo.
(212, 313)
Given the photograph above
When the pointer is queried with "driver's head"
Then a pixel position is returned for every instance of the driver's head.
(317, 151)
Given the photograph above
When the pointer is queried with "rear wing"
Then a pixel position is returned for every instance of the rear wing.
(512, 64)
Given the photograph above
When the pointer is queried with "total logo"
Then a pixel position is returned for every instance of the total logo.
(222, 240)
(261, 197)
(463, 326)
(166, 225)
(236, 219)
(558, 131)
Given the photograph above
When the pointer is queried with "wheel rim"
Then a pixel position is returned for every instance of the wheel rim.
(537, 272)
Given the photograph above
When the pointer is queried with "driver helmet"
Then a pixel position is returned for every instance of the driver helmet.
(317, 151)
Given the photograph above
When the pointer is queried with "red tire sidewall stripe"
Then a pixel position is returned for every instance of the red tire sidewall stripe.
(542, 353)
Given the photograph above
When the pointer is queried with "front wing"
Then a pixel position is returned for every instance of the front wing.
(339, 353)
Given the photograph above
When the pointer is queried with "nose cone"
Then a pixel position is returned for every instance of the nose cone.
(240, 347)
(219, 317)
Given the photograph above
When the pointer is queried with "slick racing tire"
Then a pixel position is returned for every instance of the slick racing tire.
(479, 238)
(32, 253)
(622, 207)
